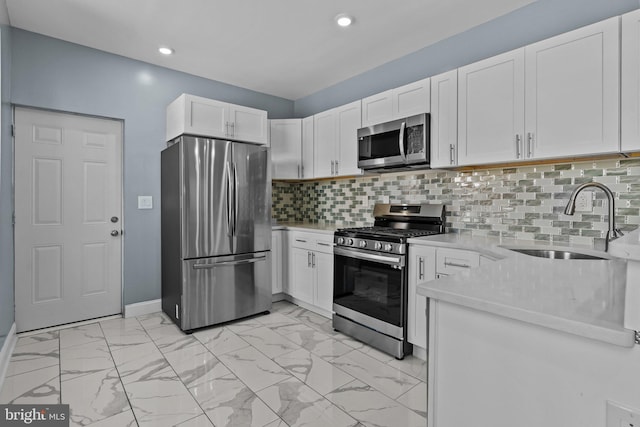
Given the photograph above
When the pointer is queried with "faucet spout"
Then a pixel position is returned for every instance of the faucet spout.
(612, 232)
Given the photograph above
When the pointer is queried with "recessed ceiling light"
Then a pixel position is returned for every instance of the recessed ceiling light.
(344, 20)
(165, 50)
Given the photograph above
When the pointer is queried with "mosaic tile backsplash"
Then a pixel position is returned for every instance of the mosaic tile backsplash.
(514, 202)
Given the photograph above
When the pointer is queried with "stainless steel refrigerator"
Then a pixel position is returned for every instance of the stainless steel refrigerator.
(216, 231)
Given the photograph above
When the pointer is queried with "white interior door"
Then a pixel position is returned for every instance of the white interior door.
(68, 218)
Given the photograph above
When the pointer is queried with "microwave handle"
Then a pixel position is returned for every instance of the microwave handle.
(401, 141)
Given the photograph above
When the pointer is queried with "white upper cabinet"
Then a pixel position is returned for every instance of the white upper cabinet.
(444, 119)
(631, 82)
(348, 123)
(412, 99)
(248, 124)
(491, 109)
(324, 144)
(404, 101)
(572, 93)
(286, 148)
(307, 147)
(335, 140)
(194, 115)
(571, 87)
(377, 108)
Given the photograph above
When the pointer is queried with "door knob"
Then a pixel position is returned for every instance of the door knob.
(114, 219)
(114, 233)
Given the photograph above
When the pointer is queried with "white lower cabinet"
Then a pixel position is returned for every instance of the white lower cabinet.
(422, 268)
(428, 263)
(277, 262)
(311, 269)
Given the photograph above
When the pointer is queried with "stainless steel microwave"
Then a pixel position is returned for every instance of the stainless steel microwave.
(402, 143)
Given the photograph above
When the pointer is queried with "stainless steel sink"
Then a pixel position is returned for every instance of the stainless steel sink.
(556, 254)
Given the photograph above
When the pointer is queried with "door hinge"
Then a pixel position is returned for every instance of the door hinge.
(637, 337)
(13, 133)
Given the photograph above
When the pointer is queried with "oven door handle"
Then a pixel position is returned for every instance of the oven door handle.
(352, 253)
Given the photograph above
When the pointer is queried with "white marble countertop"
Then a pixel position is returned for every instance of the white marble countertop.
(627, 246)
(582, 297)
(306, 226)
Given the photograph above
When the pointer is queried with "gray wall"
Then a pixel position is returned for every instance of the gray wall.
(537, 21)
(54, 74)
(6, 207)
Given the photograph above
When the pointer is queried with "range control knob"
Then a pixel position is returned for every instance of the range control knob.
(388, 247)
(363, 244)
(341, 240)
(350, 242)
(377, 246)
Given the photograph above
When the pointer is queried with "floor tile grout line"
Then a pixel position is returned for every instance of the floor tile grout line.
(364, 382)
(219, 361)
(255, 393)
(115, 365)
(60, 370)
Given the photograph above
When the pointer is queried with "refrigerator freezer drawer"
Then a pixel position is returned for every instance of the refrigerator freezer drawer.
(226, 288)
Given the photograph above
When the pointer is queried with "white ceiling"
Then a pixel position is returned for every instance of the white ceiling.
(287, 48)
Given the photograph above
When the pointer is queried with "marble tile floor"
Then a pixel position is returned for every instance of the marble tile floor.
(287, 368)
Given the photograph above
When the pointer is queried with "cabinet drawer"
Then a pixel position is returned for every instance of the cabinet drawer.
(319, 242)
(452, 261)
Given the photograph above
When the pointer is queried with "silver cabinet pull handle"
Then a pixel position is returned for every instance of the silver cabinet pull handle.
(452, 149)
(518, 146)
(298, 171)
(325, 244)
(455, 264)
(313, 260)
(302, 171)
(301, 240)
(308, 259)
(336, 167)
(332, 168)
(420, 268)
(529, 144)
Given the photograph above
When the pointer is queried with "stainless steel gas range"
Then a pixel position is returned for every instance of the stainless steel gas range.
(370, 274)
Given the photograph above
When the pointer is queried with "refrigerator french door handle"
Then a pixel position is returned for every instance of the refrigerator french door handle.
(235, 197)
(229, 205)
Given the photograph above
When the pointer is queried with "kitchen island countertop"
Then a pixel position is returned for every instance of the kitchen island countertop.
(582, 297)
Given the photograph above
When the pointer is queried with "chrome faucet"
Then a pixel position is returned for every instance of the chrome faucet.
(613, 232)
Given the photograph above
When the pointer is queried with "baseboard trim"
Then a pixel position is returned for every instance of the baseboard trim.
(144, 307)
(278, 297)
(420, 352)
(308, 306)
(6, 351)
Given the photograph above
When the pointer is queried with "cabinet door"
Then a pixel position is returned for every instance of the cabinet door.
(572, 92)
(422, 268)
(349, 119)
(491, 109)
(248, 124)
(286, 148)
(307, 148)
(324, 143)
(630, 113)
(302, 275)
(444, 119)
(412, 99)
(377, 108)
(206, 117)
(276, 262)
(323, 266)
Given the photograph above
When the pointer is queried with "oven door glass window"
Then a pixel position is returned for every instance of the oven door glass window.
(370, 288)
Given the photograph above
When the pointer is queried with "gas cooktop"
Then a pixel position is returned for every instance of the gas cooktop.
(380, 231)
